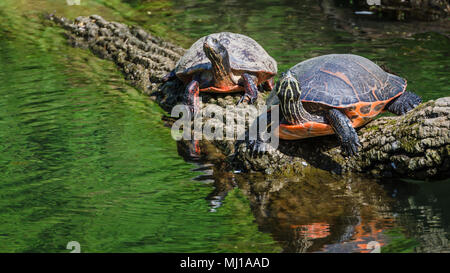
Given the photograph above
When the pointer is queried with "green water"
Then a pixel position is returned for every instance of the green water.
(84, 157)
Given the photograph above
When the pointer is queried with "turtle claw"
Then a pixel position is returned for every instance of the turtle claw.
(259, 148)
(351, 147)
(241, 100)
(253, 146)
(249, 99)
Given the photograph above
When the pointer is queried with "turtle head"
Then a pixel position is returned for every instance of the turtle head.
(289, 93)
(217, 54)
(288, 88)
(214, 50)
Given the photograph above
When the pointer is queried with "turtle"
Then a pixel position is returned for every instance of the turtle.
(222, 63)
(334, 94)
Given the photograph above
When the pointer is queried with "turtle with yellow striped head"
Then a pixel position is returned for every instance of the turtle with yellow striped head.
(334, 94)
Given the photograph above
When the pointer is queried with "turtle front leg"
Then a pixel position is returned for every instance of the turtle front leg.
(193, 102)
(251, 91)
(342, 126)
(192, 96)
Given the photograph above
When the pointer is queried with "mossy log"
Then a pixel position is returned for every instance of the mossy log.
(416, 145)
(142, 57)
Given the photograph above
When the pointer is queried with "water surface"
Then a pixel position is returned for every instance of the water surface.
(84, 157)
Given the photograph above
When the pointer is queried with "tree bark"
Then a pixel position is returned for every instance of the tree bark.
(143, 58)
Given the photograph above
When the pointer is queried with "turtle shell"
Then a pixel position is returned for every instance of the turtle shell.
(245, 55)
(350, 82)
(345, 80)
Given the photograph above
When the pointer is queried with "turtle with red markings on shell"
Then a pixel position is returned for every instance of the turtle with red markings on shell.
(224, 62)
(334, 94)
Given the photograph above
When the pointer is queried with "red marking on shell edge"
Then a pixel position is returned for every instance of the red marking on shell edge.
(313, 129)
(304, 130)
(227, 89)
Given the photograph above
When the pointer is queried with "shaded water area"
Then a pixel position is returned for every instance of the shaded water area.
(85, 157)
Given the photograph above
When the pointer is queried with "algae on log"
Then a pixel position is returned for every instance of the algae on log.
(416, 145)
